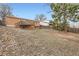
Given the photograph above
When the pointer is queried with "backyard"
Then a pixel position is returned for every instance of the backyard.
(38, 42)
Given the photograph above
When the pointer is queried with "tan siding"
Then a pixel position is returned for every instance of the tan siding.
(11, 21)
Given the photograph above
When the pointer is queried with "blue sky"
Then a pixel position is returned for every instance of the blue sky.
(30, 10)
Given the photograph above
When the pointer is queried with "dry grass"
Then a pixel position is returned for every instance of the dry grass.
(39, 42)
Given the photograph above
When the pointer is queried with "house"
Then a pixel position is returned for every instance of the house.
(12, 21)
(44, 24)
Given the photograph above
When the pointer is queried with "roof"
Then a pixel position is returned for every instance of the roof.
(25, 23)
(18, 18)
(45, 21)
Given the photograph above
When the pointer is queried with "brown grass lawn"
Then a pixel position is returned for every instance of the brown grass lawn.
(41, 42)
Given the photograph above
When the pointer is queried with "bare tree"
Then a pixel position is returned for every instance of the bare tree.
(5, 10)
(40, 17)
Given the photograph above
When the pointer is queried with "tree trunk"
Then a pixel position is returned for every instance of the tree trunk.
(3, 21)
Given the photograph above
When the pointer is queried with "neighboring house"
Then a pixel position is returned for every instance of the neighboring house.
(12, 21)
(44, 23)
(19, 22)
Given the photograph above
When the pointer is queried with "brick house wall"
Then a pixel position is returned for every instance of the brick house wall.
(12, 21)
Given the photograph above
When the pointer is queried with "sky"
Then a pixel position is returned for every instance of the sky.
(30, 10)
